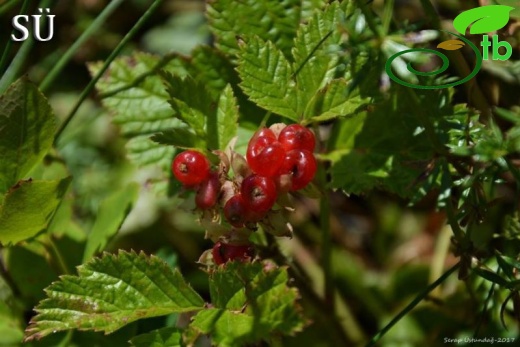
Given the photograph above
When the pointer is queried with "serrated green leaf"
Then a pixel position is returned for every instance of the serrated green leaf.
(484, 19)
(227, 117)
(133, 92)
(190, 100)
(112, 213)
(316, 53)
(267, 78)
(180, 137)
(165, 337)
(28, 208)
(389, 151)
(274, 21)
(333, 101)
(212, 67)
(251, 304)
(110, 292)
(27, 127)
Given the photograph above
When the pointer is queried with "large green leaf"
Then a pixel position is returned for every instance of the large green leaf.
(251, 303)
(27, 128)
(484, 19)
(165, 337)
(274, 21)
(133, 92)
(267, 78)
(112, 213)
(386, 147)
(28, 208)
(110, 292)
(315, 53)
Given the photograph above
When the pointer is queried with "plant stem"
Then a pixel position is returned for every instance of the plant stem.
(420, 297)
(105, 66)
(96, 24)
(484, 309)
(8, 46)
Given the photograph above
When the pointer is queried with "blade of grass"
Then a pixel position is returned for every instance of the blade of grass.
(96, 24)
(420, 297)
(105, 66)
(9, 44)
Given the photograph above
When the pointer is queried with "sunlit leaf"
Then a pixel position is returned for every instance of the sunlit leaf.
(484, 19)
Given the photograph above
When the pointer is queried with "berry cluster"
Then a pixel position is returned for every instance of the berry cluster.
(279, 160)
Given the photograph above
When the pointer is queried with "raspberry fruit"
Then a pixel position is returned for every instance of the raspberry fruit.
(264, 153)
(295, 136)
(208, 192)
(224, 252)
(235, 211)
(259, 194)
(191, 167)
(301, 165)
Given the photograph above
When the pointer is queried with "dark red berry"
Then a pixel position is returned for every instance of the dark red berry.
(264, 153)
(301, 165)
(258, 193)
(235, 211)
(224, 252)
(295, 136)
(191, 167)
(208, 192)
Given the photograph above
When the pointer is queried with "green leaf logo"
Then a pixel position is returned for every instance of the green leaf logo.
(484, 19)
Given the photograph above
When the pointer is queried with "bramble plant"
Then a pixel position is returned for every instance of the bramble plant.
(266, 183)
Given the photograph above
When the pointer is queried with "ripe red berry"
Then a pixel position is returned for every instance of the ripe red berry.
(264, 153)
(224, 252)
(301, 165)
(258, 193)
(208, 192)
(295, 136)
(191, 167)
(235, 211)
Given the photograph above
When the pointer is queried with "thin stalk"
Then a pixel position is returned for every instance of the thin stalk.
(8, 46)
(484, 309)
(326, 246)
(51, 247)
(420, 297)
(387, 16)
(105, 66)
(65, 58)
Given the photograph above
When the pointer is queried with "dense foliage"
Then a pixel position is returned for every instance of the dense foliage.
(107, 240)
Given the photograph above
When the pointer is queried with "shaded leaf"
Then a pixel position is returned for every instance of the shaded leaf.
(491, 276)
(451, 45)
(165, 337)
(274, 21)
(333, 101)
(27, 127)
(133, 92)
(28, 209)
(252, 301)
(180, 137)
(484, 19)
(111, 292)
(111, 215)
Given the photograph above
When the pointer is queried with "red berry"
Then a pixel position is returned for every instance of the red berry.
(235, 211)
(208, 192)
(224, 252)
(301, 165)
(264, 153)
(295, 136)
(190, 167)
(258, 193)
